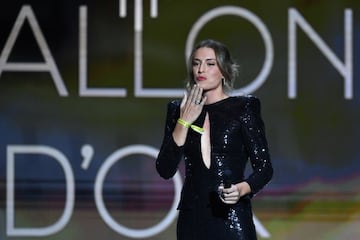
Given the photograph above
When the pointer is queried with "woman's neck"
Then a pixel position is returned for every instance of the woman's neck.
(212, 96)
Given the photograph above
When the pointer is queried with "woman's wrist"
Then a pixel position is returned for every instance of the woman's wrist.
(183, 123)
(243, 188)
(186, 124)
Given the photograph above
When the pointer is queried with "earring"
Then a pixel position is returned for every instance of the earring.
(223, 80)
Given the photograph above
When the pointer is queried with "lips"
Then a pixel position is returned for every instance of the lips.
(200, 78)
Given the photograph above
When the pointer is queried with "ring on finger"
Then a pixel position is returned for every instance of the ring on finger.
(197, 102)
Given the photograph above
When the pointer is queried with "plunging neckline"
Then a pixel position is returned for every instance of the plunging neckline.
(205, 144)
(205, 140)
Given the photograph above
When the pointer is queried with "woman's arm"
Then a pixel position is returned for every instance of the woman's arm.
(179, 119)
(170, 153)
(256, 146)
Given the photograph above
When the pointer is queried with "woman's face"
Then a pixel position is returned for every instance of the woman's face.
(206, 70)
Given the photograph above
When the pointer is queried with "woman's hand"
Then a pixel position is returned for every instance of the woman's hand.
(190, 109)
(232, 194)
(192, 105)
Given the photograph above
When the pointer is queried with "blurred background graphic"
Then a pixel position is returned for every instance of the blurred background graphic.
(78, 139)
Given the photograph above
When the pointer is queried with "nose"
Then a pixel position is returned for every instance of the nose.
(200, 68)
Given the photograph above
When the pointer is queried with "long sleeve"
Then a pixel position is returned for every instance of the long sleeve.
(256, 146)
(170, 154)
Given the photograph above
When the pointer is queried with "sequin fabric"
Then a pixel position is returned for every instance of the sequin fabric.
(233, 221)
(237, 135)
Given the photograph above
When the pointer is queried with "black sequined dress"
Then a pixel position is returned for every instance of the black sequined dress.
(236, 135)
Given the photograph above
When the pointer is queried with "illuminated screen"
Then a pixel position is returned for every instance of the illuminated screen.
(83, 92)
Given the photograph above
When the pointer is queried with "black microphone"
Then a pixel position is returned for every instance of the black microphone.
(227, 178)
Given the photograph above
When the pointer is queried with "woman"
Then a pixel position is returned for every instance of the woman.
(215, 134)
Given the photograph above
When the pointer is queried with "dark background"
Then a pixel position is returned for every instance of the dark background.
(313, 138)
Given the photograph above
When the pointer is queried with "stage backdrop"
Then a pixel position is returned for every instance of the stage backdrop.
(83, 93)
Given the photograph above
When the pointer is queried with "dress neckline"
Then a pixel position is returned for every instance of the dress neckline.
(219, 102)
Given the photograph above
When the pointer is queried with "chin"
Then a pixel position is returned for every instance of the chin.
(200, 84)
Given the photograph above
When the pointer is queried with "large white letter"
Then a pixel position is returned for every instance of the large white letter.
(346, 69)
(109, 220)
(139, 91)
(49, 64)
(241, 12)
(10, 185)
(83, 90)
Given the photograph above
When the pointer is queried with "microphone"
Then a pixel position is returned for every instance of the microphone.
(227, 178)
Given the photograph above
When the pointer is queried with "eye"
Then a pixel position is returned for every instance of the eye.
(195, 63)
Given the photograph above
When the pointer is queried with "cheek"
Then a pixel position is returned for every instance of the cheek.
(216, 74)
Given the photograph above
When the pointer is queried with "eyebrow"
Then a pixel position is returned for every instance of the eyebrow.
(207, 59)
